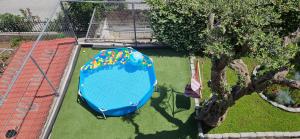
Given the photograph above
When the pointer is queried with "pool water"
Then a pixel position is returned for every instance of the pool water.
(116, 87)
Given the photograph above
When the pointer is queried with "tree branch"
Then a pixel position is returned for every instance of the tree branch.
(242, 87)
(280, 78)
(260, 83)
(287, 82)
(241, 68)
(280, 72)
(218, 75)
(275, 77)
(211, 20)
(292, 38)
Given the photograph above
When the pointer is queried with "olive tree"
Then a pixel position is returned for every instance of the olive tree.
(227, 30)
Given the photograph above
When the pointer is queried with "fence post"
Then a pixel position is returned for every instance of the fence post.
(90, 24)
(134, 26)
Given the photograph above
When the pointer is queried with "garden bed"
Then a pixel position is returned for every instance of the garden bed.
(285, 96)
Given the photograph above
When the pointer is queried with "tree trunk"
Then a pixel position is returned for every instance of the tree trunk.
(214, 112)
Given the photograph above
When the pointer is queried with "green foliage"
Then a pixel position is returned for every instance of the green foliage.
(61, 35)
(13, 23)
(240, 29)
(283, 97)
(178, 24)
(3, 61)
(295, 94)
(81, 13)
(4, 57)
(15, 42)
(271, 91)
(295, 61)
(290, 17)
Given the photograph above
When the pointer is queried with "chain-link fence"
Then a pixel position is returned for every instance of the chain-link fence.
(120, 22)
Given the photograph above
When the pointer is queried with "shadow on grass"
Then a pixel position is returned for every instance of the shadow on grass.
(161, 104)
(98, 115)
(83, 103)
(184, 130)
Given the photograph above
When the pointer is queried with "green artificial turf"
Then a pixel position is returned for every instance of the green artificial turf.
(167, 115)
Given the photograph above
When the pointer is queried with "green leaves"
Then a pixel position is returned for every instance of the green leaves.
(13, 23)
(177, 23)
(241, 28)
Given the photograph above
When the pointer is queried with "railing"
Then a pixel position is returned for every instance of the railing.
(120, 22)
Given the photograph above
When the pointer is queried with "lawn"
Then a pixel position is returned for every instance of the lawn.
(251, 113)
(167, 115)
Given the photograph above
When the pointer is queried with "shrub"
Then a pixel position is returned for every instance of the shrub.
(13, 23)
(271, 92)
(295, 94)
(283, 97)
(14, 42)
(3, 58)
(61, 35)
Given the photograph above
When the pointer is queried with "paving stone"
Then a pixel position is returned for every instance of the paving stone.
(217, 136)
(226, 136)
(248, 135)
(201, 135)
(234, 135)
(295, 134)
(213, 136)
(260, 134)
(269, 134)
(278, 134)
(286, 134)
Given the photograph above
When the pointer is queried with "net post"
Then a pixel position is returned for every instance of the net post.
(90, 24)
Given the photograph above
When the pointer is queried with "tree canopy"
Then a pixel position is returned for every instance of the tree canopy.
(254, 28)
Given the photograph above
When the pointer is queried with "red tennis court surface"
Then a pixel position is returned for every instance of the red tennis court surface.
(26, 107)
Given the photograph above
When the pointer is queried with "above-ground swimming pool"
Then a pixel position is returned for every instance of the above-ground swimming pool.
(117, 81)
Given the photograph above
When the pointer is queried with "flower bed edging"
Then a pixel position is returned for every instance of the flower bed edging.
(247, 135)
(289, 109)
